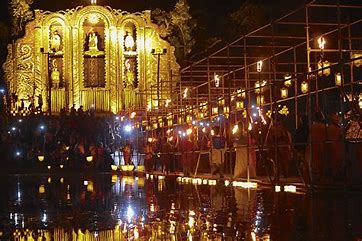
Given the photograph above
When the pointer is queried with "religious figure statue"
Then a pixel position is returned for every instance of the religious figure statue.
(129, 42)
(55, 75)
(55, 42)
(93, 44)
(130, 75)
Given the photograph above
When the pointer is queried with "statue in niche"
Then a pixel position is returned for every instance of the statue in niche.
(55, 75)
(130, 73)
(55, 42)
(129, 41)
(93, 44)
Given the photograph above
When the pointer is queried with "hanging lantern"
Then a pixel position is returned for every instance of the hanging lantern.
(321, 42)
(241, 93)
(304, 87)
(226, 110)
(259, 86)
(260, 100)
(89, 158)
(324, 64)
(288, 80)
(259, 66)
(217, 80)
(41, 158)
(215, 110)
(338, 79)
(357, 62)
(180, 120)
(283, 93)
(221, 101)
(201, 115)
(239, 105)
(154, 125)
(189, 119)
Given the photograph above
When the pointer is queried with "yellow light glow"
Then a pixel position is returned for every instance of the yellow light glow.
(338, 79)
(61, 166)
(215, 110)
(89, 158)
(241, 93)
(212, 132)
(41, 158)
(304, 87)
(114, 167)
(288, 80)
(260, 100)
(284, 93)
(133, 114)
(49, 167)
(324, 64)
(49, 179)
(90, 187)
(239, 105)
(114, 178)
(212, 182)
(41, 189)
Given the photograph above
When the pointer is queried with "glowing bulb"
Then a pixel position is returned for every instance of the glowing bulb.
(321, 42)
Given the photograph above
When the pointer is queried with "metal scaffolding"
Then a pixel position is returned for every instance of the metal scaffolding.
(289, 51)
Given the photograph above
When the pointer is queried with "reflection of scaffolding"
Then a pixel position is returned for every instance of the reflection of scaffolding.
(289, 49)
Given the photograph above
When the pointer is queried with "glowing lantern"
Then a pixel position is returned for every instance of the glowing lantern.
(241, 93)
(321, 42)
(201, 115)
(221, 101)
(189, 131)
(180, 120)
(41, 158)
(41, 189)
(304, 87)
(324, 64)
(89, 158)
(239, 105)
(357, 62)
(217, 80)
(215, 110)
(338, 79)
(259, 86)
(226, 110)
(284, 92)
(288, 80)
(259, 66)
(188, 119)
(260, 100)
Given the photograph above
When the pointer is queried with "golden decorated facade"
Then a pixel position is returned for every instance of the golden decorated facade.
(93, 56)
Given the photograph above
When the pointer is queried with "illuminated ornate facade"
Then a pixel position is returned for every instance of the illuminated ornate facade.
(93, 56)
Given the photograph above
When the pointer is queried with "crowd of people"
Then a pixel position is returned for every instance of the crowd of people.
(319, 152)
(63, 141)
(80, 140)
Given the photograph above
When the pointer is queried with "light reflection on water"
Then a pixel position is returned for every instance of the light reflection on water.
(105, 207)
